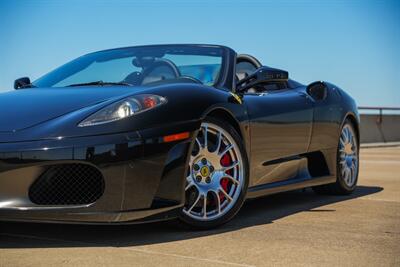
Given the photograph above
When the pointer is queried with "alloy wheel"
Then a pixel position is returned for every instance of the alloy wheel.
(215, 176)
(348, 156)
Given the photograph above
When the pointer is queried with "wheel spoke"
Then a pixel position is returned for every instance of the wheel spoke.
(351, 141)
(195, 203)
(345, 174)
(348, 175)
(347, 134)
(189, 186)
(198, 143)
(218, 201)
(344, 137)
(353, 173)
(226, 150)
(205, 136)
(236, 182)
(218, 143)
(233, 165)
(342, 143)
(205, 206)
(225, 194)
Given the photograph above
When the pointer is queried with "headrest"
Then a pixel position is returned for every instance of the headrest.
(142, 62)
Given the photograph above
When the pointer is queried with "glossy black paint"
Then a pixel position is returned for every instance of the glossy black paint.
(287, 133)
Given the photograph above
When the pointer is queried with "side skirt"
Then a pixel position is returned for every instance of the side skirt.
(287, 185)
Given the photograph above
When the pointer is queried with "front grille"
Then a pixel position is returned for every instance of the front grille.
(68, 184)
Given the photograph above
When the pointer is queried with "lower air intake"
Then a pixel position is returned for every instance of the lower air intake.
(68, 184)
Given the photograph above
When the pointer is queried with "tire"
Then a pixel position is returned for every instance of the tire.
(227, 170)
(347, 157)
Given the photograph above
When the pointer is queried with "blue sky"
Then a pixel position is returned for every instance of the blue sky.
(354, 44)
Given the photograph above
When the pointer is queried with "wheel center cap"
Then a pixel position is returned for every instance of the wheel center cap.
(348, 148)
(205, 171)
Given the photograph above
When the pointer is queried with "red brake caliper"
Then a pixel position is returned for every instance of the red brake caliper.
(225, 161)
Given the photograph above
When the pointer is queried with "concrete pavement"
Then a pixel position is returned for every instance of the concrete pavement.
(289, 229)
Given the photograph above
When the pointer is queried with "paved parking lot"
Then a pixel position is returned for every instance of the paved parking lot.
(296, 228)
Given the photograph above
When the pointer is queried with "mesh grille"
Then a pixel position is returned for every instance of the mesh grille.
(67, 184)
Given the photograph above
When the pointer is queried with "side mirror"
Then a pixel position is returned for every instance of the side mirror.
(21, 83)
(317, 90)
(263, 75)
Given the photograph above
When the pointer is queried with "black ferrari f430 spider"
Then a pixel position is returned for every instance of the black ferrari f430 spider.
(159, 132)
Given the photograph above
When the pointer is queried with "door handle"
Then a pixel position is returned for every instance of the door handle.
(306, 96)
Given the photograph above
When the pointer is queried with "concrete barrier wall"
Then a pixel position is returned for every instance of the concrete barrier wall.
(374, 129)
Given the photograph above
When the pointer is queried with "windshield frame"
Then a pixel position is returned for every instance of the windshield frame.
(220, 81)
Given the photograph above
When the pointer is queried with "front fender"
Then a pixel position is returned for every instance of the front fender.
(187, 103)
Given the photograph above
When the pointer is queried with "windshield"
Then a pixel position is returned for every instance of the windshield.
(139, 66)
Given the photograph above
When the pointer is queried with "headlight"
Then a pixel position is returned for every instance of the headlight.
(124, 109)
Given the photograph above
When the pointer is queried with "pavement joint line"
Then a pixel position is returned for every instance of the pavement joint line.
(190, 257)
(130, 249)
(379, 161)
(379, 199)
(379, 145)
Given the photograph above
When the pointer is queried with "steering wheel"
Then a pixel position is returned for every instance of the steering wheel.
(159, 70)
(190, 78)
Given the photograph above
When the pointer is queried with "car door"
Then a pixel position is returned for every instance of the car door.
(280, 124)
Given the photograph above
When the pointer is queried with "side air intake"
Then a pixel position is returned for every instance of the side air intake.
(68, 184)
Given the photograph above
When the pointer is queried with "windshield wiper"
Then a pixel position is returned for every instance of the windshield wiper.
(101, 83)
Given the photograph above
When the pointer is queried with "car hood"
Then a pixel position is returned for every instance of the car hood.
(24, 108)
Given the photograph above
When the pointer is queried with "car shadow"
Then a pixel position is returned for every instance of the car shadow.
(260, 211)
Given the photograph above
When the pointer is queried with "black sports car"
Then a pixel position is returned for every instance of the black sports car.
(157, 132)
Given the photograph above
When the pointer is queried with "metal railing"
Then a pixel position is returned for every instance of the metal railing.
(380, 109)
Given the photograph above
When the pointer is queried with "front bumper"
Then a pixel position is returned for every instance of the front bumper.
(144, 177)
